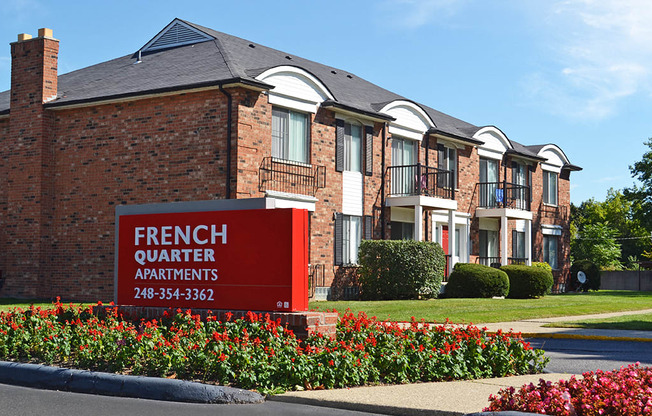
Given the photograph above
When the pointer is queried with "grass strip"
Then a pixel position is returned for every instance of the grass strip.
(496, 310)
(642, 322)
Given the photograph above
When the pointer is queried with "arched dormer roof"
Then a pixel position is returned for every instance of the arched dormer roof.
(555, 158)
(495, 141)
(410, 120)
(295, 88)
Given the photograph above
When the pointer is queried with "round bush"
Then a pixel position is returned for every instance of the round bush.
(400, 269)
(476, 281)
(528, 281)
(592, 276)
(542, 265)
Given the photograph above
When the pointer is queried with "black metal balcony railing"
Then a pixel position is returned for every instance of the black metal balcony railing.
(418, 179)
(291, 177)
(503, 195)
(489, 261)
(317, 277)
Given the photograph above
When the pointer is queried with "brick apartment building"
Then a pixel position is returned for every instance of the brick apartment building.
(196, 114)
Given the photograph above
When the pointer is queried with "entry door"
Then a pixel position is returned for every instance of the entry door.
(489, 179)
(444, 238)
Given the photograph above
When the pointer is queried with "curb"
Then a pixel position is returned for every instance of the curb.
(585, 337)
(82, 381)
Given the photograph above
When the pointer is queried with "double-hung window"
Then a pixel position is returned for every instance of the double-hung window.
(518, 245)
(352, 228)
(348, 235)
(353, 147)
(290, 138)
(549, 188)
(550, 243)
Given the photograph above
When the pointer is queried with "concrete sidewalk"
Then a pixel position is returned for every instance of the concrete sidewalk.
(534, 328)
(440, 399)
(459, 397)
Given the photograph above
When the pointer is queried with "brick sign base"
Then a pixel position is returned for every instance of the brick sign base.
(303, 324)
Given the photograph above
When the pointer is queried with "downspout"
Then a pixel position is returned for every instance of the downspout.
(382, 185)
(229, 120)
(427, 138)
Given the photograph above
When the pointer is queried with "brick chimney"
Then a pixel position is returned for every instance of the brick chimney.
(29, 163)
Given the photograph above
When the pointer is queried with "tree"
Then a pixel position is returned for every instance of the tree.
(641, 195)
(618, 212)
(597, 243)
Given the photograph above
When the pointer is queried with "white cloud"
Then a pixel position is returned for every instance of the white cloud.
(602, 51)
(610, 179)
(416, 13)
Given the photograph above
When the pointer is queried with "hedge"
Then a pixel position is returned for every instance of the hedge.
(528, 281)
(476, 281)
(400, 269)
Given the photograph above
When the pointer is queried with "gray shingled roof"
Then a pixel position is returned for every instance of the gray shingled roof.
(229, 58)
(226, 58)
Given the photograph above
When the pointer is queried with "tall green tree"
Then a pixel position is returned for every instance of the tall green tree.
(597, 243)
(618, 212)
(641, 195)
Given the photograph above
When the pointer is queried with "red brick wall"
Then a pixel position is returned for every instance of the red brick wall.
(160, 149)
(74, 166)
(28, 167)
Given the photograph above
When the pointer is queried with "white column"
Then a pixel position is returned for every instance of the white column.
(451, 238)
(503, 240)
(528, 242)
(418, 222)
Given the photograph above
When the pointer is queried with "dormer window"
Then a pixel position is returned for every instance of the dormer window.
(290, 139)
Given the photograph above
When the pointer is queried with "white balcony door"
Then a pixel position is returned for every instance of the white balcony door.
(403, 154)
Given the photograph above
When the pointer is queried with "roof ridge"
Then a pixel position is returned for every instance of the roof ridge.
(231, 64)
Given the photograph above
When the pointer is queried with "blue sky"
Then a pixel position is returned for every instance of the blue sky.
(576, 73)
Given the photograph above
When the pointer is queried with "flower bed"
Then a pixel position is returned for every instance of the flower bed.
(627, 392)
(257, 353)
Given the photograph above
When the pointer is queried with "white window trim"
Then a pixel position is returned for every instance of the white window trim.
(490, 154)
(547, 229)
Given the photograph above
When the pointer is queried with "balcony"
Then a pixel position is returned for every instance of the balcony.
(491, 261)
(496, 261)
(553, 211)
(503, 195)
(290, 177)
(420, 180)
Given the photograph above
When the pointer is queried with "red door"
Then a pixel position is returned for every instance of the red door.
(444, 245)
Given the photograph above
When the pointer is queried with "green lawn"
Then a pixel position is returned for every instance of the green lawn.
(642, 322)
(9, 303)
(497, 310)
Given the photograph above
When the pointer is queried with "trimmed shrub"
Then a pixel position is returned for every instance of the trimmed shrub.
(400, 269)
(542, 265)
(592, 276)
(476, 281)
(528, 281)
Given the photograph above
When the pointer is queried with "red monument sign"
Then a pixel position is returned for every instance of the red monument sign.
(253, 259)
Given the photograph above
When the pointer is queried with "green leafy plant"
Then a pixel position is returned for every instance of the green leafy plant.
(400, 269)
(258, 353)
(476, 281)
(528, 281)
